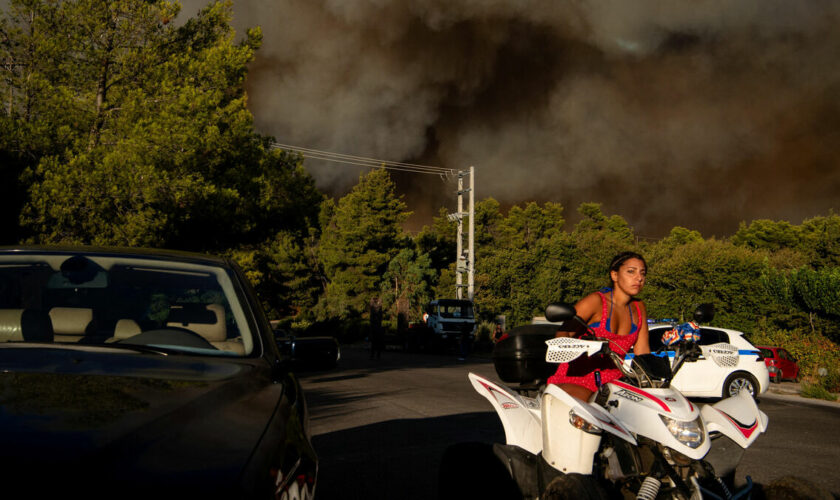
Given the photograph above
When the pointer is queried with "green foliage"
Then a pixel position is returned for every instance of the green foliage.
(707, 271)
(767, 234)
(512, 258)
(811, 350)
(817, 238)
(821, 240)
(284, 273)
(406, 284)
(141, 135)
(811, 291)
(817, 391)
(527, 260)
(438, 241)
(831, 380)
(361, 237)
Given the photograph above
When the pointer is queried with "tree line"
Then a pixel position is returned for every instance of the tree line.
(121, 125)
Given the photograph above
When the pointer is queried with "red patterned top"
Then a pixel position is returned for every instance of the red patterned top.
(582, 370)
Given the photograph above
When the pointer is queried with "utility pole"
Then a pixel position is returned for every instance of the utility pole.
(471, 264)
(465, 260)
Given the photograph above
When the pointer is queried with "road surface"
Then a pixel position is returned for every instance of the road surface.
(380, 427)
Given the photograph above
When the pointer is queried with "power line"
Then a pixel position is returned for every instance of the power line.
(362, 161)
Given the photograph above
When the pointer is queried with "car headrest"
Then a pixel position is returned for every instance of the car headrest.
(126, 328)
(10, 325)
(25, 324)
(71, 320)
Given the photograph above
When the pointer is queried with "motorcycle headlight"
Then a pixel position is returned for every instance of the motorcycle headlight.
(691, 434)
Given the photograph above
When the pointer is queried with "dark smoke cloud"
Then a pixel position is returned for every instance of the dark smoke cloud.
(699, 114)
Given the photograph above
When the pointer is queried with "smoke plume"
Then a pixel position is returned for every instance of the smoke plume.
(693, 113)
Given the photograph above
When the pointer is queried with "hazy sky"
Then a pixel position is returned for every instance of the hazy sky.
(681, 112)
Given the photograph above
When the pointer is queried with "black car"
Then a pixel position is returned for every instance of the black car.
(139, 373)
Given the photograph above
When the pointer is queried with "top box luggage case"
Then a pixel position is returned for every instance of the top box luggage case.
(519, 357)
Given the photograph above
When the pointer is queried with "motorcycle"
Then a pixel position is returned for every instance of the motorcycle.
(636, 437)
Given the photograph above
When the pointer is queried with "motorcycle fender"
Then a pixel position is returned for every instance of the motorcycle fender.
(520, 416)
(593, 414)
(737, 417)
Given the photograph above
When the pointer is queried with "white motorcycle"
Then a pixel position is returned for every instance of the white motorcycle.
(637, 437)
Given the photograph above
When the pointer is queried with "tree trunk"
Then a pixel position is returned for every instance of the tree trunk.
(101, 96)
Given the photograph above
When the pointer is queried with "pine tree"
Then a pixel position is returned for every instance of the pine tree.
(360, 239)
(150, 140)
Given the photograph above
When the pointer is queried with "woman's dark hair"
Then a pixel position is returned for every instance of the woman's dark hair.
(620, 259)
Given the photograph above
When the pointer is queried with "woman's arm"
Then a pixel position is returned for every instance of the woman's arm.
(642, 345)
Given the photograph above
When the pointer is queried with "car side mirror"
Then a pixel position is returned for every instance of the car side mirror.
(308, 353)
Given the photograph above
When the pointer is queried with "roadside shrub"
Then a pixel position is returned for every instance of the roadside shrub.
(812, 351)
(300, 325)
(484, 332)
(817, 391)
(831, 380)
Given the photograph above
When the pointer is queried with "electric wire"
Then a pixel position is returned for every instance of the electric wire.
(362, 161)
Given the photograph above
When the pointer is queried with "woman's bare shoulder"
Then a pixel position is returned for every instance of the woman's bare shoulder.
(589, 306)
(641, 306)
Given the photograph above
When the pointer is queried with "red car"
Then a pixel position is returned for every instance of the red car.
(780, 364)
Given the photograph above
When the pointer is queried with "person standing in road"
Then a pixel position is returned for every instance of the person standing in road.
(377, 333)
(498, 332)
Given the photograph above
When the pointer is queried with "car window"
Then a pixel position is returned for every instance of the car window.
(114, 301)
(766, 353)
(709, 336)
(655, 337)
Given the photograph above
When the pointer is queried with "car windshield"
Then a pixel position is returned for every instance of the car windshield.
(115, 301)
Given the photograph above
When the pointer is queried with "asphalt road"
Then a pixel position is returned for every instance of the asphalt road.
(381, 426)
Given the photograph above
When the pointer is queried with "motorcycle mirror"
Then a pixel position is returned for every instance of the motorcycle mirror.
(557, 312)
(704, 313)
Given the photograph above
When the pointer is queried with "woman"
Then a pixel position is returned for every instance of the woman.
(614, 314)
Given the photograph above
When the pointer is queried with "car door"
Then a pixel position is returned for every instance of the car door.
(787, 364)
(686, 380)
(704, 377)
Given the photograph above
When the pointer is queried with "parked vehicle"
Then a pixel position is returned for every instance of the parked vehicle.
(637, 437)
(742, 368)
(308, 352)
(139, 373)
(446, 323)
(781, 365)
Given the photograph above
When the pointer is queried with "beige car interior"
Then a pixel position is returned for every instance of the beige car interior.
(11, 325)
(70, 324)
(209, 323)
(124, 329)
(24, 325)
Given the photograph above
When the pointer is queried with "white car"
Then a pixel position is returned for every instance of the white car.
(740, 368)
